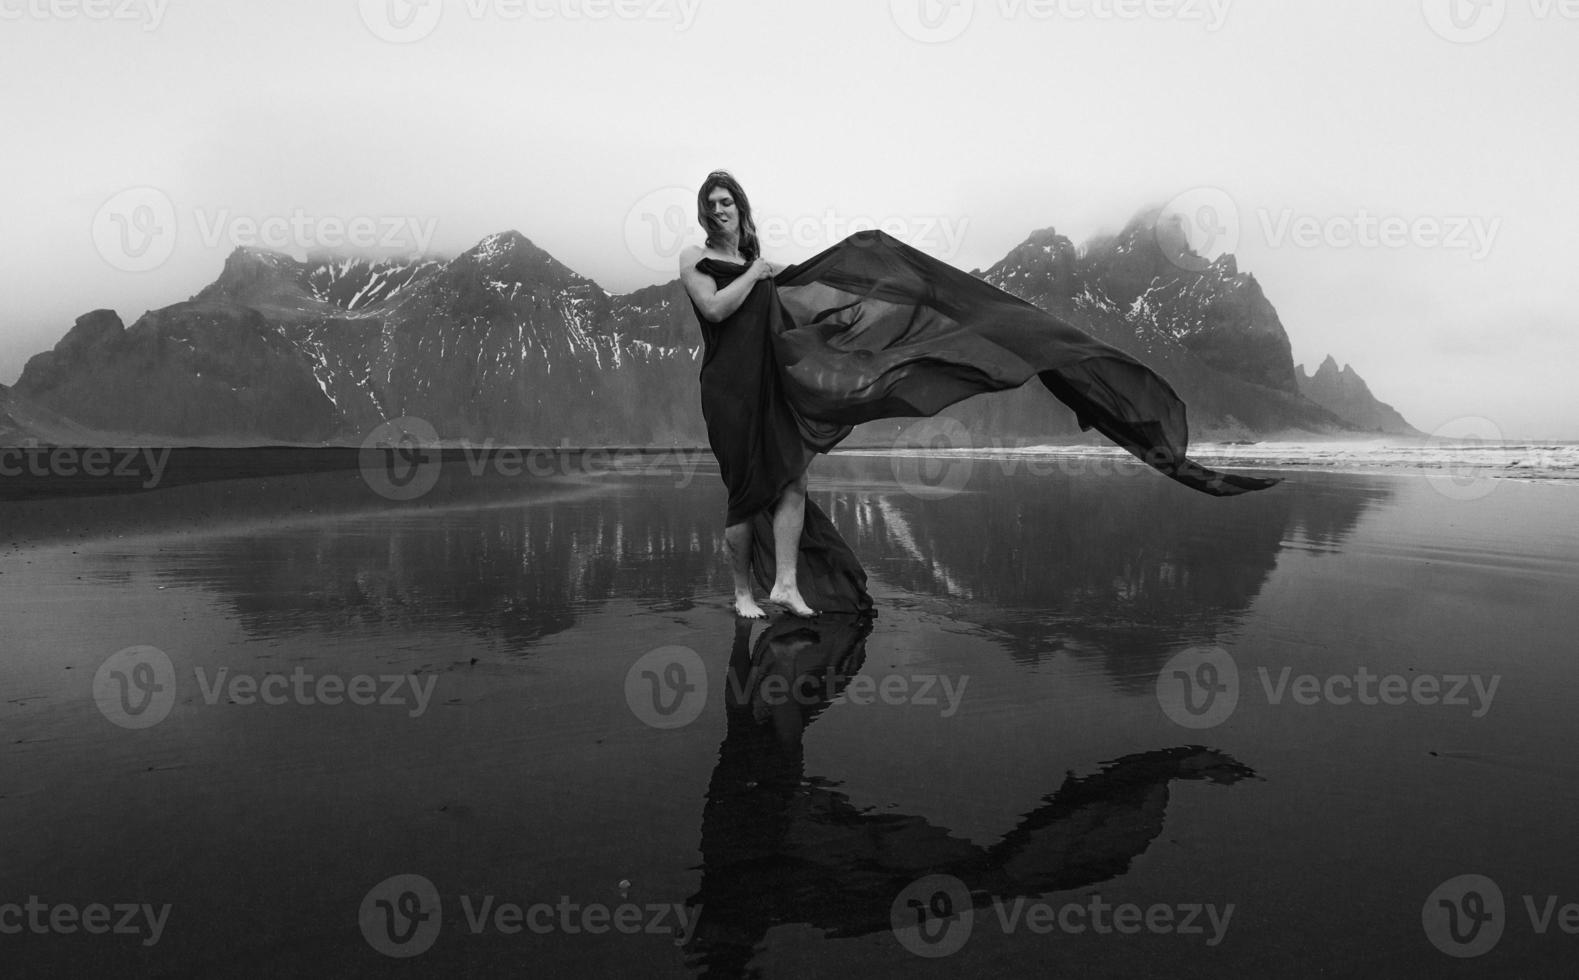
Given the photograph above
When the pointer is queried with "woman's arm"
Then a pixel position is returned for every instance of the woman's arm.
(718, 304)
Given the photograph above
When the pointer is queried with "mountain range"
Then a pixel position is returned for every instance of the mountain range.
(504, 342)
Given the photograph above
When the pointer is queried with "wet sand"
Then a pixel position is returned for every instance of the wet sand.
(1013, 721)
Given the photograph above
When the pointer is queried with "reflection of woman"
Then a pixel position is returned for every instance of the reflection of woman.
(781, 847)
(871, 328)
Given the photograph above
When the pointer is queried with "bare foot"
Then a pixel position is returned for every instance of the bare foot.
(746, 606)
(790, 596)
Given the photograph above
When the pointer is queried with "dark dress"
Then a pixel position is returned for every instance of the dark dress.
(872, 328)
(763, 444)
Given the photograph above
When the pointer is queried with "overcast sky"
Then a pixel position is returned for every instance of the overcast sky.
(147, 138)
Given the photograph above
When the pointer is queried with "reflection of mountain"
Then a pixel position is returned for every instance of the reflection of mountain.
(1122, 564)
(779, 848)
(1125, 564)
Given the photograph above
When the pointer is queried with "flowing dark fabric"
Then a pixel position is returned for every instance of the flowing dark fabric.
(872, 328)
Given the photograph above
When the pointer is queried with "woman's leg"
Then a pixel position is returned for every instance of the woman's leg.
(789, 517)
(738, 537)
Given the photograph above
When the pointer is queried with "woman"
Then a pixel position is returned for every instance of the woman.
(750, 425)
(871, 328)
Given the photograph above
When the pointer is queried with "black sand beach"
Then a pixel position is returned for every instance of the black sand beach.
(1135, 730)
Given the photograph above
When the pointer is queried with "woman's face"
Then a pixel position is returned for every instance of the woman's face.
(721, 205)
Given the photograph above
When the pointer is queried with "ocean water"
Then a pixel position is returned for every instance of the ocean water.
(1460, 463)
(1101, 724)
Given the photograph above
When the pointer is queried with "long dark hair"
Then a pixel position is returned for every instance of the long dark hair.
(704, 213)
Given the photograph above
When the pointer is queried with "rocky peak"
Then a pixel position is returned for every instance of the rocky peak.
(89, 330)
(255, 275)
(511, 257)
(1345, 394)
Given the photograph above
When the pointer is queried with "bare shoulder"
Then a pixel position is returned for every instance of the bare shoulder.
(689, 256)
